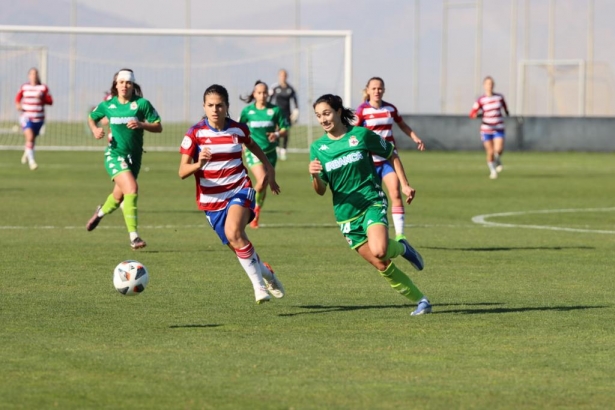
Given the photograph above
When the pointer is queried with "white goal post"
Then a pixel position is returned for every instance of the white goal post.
(549, 65)
(254, 54)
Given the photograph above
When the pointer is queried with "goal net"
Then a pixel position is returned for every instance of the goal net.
(173, 71)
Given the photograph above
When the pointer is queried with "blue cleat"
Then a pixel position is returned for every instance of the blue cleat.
(423, 308)
(412, 255)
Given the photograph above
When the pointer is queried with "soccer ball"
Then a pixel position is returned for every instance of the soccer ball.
(130, 278)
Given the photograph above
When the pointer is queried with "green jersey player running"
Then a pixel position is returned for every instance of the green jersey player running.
(128, 114)
(267, 125)
(342, 160)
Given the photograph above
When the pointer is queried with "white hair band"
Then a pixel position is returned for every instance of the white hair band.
(126, 76)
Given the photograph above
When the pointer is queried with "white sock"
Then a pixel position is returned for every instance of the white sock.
(398, 219)
(491, 166)
(30, 154)
(101, 213)
(250, 262)
(133, 236)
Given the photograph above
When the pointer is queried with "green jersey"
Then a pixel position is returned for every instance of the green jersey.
(348, 169)
(261, 122)
(125, 140)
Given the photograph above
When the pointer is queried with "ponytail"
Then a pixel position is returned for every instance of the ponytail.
(249, 99)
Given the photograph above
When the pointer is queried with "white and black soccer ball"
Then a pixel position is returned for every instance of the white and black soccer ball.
(130, 278)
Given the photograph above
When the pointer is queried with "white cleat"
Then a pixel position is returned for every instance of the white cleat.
(499, 168)
(274, 286)
(33, 165)
(24, 158)
(261, 296)
(493, 175)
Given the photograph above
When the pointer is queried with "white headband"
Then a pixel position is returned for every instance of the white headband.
(126, 76)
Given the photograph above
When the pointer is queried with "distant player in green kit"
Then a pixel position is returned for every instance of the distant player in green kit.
(128, 114)
(342, 159)
(267, 125)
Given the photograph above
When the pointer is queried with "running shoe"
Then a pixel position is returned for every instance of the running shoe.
(412, 255)
(274, 286)
(94, 220)
(423, 307)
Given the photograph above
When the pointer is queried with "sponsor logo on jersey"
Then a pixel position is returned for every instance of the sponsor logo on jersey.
(270, 111)
(261, 124)
(345, 160)
(121, 120)
(112, 106)
(353, 141)
(133, 105)
(186, 142)
(323, 147)
(251, 112)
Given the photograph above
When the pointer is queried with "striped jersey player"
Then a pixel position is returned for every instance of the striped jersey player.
(490, 107)
(31, 100)
(212, 152)
(378, 115)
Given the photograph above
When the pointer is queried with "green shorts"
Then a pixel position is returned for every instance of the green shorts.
(117, 163)
(252, 159)
(355, 230)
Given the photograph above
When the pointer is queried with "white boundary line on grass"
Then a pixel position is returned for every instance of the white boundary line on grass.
(332, 225)
(482, 220)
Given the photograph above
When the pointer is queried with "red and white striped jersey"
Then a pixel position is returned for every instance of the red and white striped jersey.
(224, 175)
(33, 99)
(491, 107)
(380, 120)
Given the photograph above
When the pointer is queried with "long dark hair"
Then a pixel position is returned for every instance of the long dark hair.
(336, 103)
(249, 99)
(365, 94)
(222, 92)
(137, 88)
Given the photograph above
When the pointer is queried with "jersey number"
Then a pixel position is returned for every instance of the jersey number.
(345, 227)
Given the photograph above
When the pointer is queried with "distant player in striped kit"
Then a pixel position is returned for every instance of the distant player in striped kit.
(267, 124)
(129, 114)
(212, 151)
(30, 101)
(378, 115)
(492, 134)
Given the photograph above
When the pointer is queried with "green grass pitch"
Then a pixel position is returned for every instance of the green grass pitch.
(523, 318)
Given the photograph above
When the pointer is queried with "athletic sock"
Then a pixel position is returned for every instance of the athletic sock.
(398, 219)
(130, 211)
(260, 199)
(250, 262)
(394, 249)
(401, 283)
(491, 166)
(30, 151)
(109, 206)
(133, 235)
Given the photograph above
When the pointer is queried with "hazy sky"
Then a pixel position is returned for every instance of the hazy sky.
(383, 40)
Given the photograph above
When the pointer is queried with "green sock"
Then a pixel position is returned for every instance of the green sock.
(110, 205)
(402, 283)
(394, 249)
(260, 199)
(130, 212)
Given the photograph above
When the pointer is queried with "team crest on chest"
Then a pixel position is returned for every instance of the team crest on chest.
(133, 105)
(235, 138)
(270, 111)
(353, 141)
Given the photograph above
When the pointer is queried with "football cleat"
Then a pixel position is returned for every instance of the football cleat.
(261, 296)
(33, 165)
(24, 158)
(412, 255)
(423, 307)
(94, 220)
(493, 175)
(137, 243)
(274, 286)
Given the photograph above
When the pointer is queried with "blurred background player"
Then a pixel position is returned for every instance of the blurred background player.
(128, 114)
(212, 151)
(267, 125)
(490, 106)
(30, 101)
(378, 115)
(342, 159)
(281, 94)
